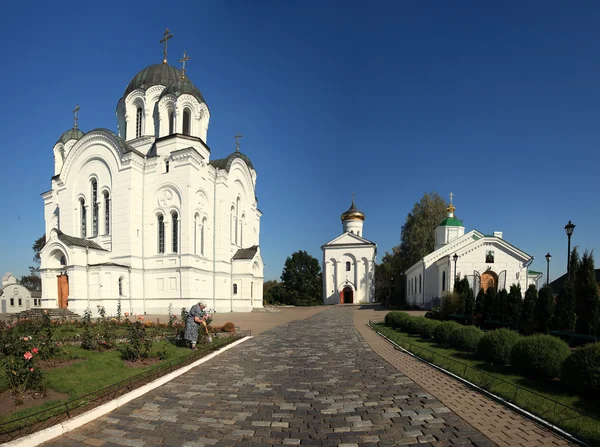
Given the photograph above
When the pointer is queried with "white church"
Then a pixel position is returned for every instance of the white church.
(349, 263)
(146, 216)
(486, 260)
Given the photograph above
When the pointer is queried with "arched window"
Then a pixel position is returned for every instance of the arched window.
(347, 266)
(121, 286)
(174, 218)
(232, 225)
(94, 208)
(161, 233)
(171, 123)
(419, 283)
(235, 289)
(186, 122)
(443, 280)
(237, 213)
(63, 260)
(106, 213)
(202, 230)
(138, 122)
(83, 216)
(196, 233)
(166, 165)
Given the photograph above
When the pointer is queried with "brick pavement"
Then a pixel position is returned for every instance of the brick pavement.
(500, 424)
(312, 382)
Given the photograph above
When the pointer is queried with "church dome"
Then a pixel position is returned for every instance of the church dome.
(353, 213)
(183, 86)
(225, 163)
(71, 134)
(157, 74)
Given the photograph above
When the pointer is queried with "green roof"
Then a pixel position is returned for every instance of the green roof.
(225, 163)
(451, 222)
(475, 237)
(533, 272)
(71, 134)
(182, 87)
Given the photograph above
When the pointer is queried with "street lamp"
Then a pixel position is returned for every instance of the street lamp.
(548, 257)
(455, 257)
(569, 230)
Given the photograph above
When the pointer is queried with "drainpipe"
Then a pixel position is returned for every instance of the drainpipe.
(130, 303)
(143, 244)
(214, 275)
(231, 283)
(87, 275)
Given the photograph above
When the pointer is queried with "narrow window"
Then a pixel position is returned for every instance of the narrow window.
(235, 289)
(202, 229)
(443, 280)
(12, 301)
(175, 232)
(251, 290)
(347, 266)
(83, 217)
(231, 228)
(94, 208)
(171, 123)
(166, 166)
(242, 232)
(237, 213)
(138, 122)
(186, 122)
(106, 213)
(121, 286)
(419, 283)
(195, 234)
(20, 302)
(63, 260)
(161, 234)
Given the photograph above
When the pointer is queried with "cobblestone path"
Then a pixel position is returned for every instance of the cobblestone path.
(311, 382)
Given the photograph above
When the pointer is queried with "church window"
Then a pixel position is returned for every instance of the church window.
(94, 208)
(12, 301)
(63, 260)
(106, 213)
(166, 166)
(444, 281)
(175, 232)
(202, 229)
(171, 123)
(196, 233)
(235, 289)
(20, 302)
(138, 122)
(237, 213)
(161, 234)
(489, 256)
(83, 215)
(419, 283)
(347, 266)
(186, 122)
(121, 286)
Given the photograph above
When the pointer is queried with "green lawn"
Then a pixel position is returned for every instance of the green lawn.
(543, 398)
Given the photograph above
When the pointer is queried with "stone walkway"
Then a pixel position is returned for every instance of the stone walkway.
(311, 382)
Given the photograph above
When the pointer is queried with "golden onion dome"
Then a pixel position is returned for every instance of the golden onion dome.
(353, 213)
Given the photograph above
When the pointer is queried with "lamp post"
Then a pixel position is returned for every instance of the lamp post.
(548, 257)
(569, 230)
(455, 257)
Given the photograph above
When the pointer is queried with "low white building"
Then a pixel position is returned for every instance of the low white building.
(486, 260)
(349, 263)
(147, 216)
(14, 297)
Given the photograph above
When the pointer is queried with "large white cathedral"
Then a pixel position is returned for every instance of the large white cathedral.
(145, 216)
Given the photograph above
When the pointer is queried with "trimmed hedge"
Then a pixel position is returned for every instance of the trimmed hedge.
(441, 334)
(539, 356)
(428, 328)
(581, 371)
(466, 338)
(495, 346)
(393, 319)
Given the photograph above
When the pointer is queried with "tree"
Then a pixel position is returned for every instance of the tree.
(301, 278)
(543, 310)
(512, 309)
(33, 280)
(388, 281)
(479, 302)
(489, 304)
(587, 290)
(564, 312)
(267, 288)
(527, 324)
(469, 300)
(574, 264)
(500, 305)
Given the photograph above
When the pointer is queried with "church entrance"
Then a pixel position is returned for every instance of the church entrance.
(347, 296)
(488, 279)
(63, 291)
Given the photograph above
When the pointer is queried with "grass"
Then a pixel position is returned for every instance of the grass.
(97, 371)
(543, 398)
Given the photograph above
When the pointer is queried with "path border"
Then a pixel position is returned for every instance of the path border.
(49, 433)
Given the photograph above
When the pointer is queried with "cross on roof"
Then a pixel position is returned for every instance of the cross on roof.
(237, 137)
(167, 35)
(184, 59)
(353, 197)
(75, 115)
(451, 195)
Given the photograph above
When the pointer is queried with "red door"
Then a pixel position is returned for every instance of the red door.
(63, 291)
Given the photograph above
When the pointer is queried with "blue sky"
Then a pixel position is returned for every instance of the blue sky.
(497, 102)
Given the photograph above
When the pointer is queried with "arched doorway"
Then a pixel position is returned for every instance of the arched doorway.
(488, 279)
(346, 295)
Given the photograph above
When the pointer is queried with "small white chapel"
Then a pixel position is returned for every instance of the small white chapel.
(349, 263)
(146, 216)
(486, 260)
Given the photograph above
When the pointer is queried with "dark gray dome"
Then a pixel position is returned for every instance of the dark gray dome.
(71, 134)
(182, 87)
(225, 163)
(158, 74)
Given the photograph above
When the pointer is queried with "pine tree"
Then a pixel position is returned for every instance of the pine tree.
(527, 324)
(543, 310)
(501, 301)
(587, 318)
(479, 302)
(513, 305)
(574, 264)
(489, 304)
(564, 312)
(469, 304)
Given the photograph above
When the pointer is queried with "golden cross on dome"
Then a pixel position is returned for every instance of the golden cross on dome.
(184, 59)
(353, 197)
(75, 115)
(167, 35)
(237, 137)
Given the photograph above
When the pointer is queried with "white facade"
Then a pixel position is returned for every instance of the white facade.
(146, 217)
(349, 264)
(480, 258)
(14, 297)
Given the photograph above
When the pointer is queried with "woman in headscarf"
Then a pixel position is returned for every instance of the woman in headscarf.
(195, 318)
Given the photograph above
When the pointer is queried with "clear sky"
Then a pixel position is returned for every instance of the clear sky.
(497, 102)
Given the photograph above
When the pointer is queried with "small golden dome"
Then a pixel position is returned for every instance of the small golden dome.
(450, 208)
(353, 213)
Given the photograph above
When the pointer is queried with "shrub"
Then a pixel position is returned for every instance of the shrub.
(428, 328)
(543, 310)
(450, 305)
(495, 346)
(413, 325)
(393, 319)
(138, 344)
(581, 371)
(539, 356)
(465, 338)
(441, 334)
